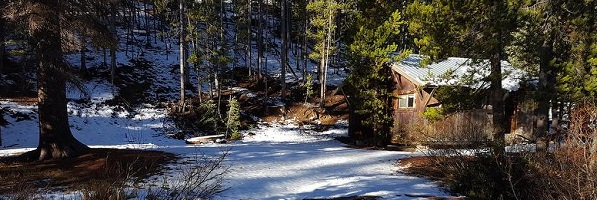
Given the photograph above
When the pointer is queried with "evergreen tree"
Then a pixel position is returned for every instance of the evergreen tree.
(47, 21)
(323, 20)
(370, 84)
(537, 49)
(579, 78)
(233, 119)
(446, 28)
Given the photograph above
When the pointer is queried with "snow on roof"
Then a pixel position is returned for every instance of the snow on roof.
(456, 71)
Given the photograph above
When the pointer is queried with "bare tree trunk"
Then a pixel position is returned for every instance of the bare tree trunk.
(113, 47)
(544, 93)
(128, 31)
(499, 124)
(497, 101)
(259, 39)
(304, 53)
(55, 138)
(221, 66)
(249, 38)
(187, 71)
(83, 61)
(326, 55)
(2, 47)
(183, 50)
(146, 25)
(284, 50)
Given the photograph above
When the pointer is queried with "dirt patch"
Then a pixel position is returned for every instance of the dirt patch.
(424, 166)
(98, 166)
(261, 100)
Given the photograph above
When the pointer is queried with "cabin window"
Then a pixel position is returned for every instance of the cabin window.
(407, 101)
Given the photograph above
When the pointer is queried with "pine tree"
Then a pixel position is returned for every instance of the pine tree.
(323, 20)
(183, 45)
(579, 78)
(370, 84)
(446, 28)
(233, 119)
(46, 22)
(533, 49)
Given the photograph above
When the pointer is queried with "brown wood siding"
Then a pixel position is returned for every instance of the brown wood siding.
(521, 122)
(422, 97)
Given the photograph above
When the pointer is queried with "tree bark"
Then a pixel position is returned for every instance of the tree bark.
(249, 40)
(113, 47)
(259, 39)
(284, 51)
(544, 92)
(55, 137)
(83, 58)
(497, 101)
(497, 92)
(2, 47)
(183, 52)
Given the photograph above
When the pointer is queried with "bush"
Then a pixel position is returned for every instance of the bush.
(433, 114)
(233, 119)
(459, 130)
(203, 117)
(200, 180)
(568, 172)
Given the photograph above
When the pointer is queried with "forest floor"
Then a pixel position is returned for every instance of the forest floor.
(104, 166)
(96, 169)
(294, 151)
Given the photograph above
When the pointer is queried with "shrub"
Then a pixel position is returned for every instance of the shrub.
(308, 87)
(460, 129)
(433, 114)
(204, 117)
(568, 172)
(201, 179)
(233, 119)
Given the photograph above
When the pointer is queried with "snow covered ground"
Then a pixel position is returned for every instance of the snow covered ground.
(283, 162)
(273, 162)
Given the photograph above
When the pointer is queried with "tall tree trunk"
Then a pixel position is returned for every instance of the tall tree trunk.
(322, 79)
(284, 51)
(249, 38)
(55, 137)
(305, 52)
(83, 60)
(183, 50)
(497, 101)
(2, 47)
(146, 25)
(497, 92)
(259, 38)
(114, 46)
(544, 92)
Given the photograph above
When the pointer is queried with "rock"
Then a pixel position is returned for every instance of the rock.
(221, 141)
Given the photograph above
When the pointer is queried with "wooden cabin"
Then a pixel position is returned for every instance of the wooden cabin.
(415, 87)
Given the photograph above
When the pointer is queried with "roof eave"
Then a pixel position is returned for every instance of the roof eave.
(414, 80)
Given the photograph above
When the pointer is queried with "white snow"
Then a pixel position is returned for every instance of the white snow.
(277, 161)
(283, 162)
(274, 162)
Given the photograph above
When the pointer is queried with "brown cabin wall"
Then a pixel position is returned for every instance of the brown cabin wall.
(405, 116)
(521, 120)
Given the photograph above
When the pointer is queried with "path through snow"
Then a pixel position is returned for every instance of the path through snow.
(275, 162)
(284, 162)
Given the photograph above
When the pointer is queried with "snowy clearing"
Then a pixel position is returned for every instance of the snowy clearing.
(273, 162)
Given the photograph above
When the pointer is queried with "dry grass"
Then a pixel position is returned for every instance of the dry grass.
(86, 171)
